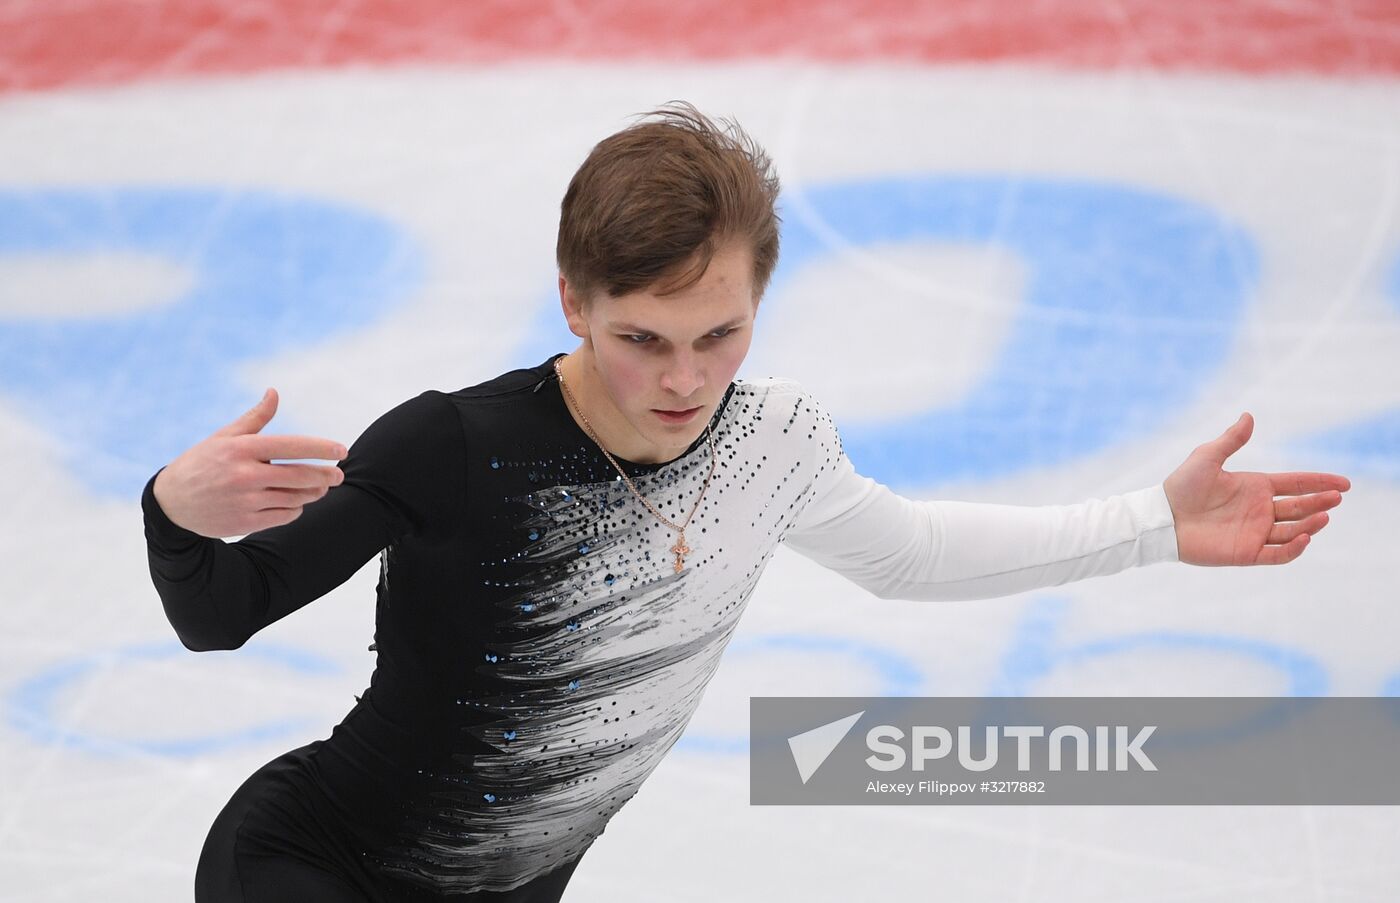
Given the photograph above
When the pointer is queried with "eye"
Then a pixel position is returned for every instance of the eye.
(637, 338)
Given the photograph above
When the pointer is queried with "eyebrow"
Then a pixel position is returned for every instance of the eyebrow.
(628, 327)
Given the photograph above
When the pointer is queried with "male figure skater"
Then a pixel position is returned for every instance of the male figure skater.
(565, 549)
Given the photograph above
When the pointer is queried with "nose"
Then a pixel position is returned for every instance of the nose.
(682, 377)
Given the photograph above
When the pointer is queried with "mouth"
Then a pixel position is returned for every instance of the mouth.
(682, 416)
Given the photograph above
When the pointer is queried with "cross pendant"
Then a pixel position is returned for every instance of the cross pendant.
(681, 550)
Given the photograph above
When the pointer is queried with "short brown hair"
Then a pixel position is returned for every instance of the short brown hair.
(652, 203)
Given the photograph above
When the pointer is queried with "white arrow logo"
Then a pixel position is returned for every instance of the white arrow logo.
(811, 748)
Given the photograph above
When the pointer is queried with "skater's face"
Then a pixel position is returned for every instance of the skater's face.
(674, 352)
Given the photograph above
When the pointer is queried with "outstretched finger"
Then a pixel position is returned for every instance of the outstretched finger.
(253, 419)
(1300, 483)
(1290, 530)
(270, 448)
(298, 476)
(1297, 507)
(1232, 440)
(1284, 553)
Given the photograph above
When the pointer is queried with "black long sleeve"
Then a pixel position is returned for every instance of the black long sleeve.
(403, 475)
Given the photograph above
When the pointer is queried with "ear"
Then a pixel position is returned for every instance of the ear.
(573, 309)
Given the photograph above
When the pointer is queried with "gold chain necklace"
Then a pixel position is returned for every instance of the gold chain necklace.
(680, 549)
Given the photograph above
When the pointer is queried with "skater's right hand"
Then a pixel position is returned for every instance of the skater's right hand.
(227, 485)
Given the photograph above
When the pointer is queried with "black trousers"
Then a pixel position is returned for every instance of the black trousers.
(273, 844)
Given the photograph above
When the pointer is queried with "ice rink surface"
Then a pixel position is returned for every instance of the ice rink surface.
(1029, 257)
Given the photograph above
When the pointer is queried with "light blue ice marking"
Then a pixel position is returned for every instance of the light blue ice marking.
(899, 676)
(1132, 300)
(1034, 654)
(125, 393)
(30, 705)
(1370, 447)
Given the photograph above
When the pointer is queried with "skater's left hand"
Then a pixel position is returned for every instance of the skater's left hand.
(1234, 518)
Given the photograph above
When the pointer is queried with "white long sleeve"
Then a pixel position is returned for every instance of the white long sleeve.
(900, 548)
